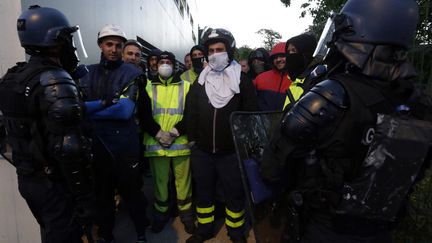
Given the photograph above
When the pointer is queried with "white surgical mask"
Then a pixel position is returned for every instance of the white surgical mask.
(165, 71)
(218, 61)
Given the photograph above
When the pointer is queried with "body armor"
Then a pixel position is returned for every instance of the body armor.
(42, 115)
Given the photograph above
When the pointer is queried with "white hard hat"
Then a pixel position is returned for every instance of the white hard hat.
(111, 30)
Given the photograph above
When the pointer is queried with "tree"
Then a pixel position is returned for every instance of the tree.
(287, 3)
(242, 52)
(320, 11)
(270, 37)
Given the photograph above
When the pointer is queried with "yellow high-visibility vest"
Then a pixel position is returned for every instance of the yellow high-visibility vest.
(189, 75)
(168, 103)
(295, 90)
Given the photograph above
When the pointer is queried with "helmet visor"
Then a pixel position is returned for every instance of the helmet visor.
(70, 37)
(326, 36)
(78, 43)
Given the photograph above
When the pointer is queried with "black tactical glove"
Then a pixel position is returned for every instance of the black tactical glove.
(79, 72)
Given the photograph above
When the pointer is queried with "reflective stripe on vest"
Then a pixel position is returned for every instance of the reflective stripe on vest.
(187, 76)
(168, 103)
(156, 147)
(171, 111)
(295, 90)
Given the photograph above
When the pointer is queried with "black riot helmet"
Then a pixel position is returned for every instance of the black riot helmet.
(375, 22)
(373, 36)
(384, 22)
(41, 27)
(211, 36)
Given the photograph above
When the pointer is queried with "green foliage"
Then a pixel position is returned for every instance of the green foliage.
(421, 58)
(270, 36)
(320, 11)
(424, 27)
(242, 53)
(417, 224)
(421, 53)
(287, 3)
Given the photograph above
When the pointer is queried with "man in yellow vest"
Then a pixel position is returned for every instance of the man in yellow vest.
(299, 65)
(198, 64)
(168, 95)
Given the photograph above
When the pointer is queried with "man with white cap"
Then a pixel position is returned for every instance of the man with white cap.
(110, 91)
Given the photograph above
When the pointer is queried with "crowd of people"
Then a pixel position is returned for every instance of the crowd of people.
(81, 134)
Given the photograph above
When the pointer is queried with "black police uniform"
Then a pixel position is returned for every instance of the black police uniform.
(42, 115)
(324, 138)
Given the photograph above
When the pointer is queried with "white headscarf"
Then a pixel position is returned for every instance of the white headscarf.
(221, 86)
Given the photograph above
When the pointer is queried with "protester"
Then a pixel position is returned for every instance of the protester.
(111, 91)
(220, 90)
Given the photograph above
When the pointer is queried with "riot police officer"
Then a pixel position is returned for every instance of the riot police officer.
(326, 135)
(42, 115)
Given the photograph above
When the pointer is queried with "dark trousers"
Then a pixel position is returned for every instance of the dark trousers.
(52, 206)
(113, 170)
(207, 168)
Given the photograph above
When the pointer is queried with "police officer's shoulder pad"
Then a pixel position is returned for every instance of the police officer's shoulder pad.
(55, 76)
(333, 91)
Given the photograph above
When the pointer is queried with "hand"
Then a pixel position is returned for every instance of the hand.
(110, 99)
(191, 144)
(164, 138)
(79, 72)
(174, 132)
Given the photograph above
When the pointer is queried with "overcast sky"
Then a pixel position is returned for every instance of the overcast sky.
(245, 17)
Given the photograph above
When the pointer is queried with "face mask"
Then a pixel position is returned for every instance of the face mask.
(294, 64)
(165, 71)
(218, 61)
(258, 67)
(198, 64)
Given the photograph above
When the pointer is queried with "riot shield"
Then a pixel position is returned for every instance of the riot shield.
(396, 157)
(251, 133)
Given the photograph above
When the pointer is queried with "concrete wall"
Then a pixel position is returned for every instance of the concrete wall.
(10, 49)
(159, 22)
(17, 224)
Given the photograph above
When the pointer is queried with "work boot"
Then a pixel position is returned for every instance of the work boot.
(189, 226)
(197, 238)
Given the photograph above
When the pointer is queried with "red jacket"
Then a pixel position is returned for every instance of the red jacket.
(271, 89)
